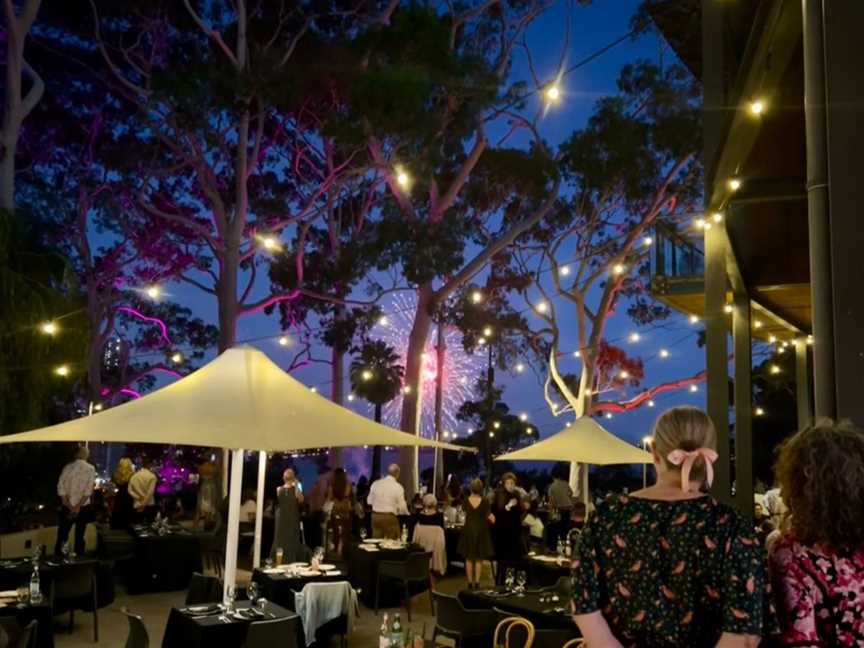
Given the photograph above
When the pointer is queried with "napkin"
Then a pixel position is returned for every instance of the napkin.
(13, 594)
(369, 548)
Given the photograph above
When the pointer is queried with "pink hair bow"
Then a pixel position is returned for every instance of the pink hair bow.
(687, 459)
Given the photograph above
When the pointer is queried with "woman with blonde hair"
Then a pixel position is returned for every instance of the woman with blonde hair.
(122, 509)
(669, 565)
(818, 561)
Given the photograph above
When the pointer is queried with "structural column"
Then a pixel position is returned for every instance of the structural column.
(742, 345)
(802, 384)
(717, 362)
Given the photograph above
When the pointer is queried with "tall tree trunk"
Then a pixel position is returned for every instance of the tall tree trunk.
(226, 297)
(376, 450)
(440, 356)
(337, 378)
(410, 421)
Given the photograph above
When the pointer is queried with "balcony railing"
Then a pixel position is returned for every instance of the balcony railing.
(675, 261)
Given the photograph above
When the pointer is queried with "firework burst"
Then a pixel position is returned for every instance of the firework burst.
(460, 368)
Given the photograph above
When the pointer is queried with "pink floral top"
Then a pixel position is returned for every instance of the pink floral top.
(820, 595)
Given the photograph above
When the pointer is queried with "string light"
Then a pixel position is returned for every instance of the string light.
(542, 307)
(529, 430)
(154, 292)
(402, 178)
(62, 370)
(177, 358)
(757, 324)
(567, 424)
(476, 297)
(608, 415)
(314, 390)
(760, 411)
(481, 341)
(734, 184)
(647, 440)
(470, 430)
(694, 389)
(351, 398)
(717, 217)
(756, 107)
(699, 223)
(771, 339)
(383, 321)
(487, 331)
(97, 407)
(49, 328)
(552, 93)
(564, 271)
(809, 339)
(624, 375)
(270, 243)
(406, 389)
(520, 367)
(775, 369)
(491, 435)
(366, 375)
(664, 353)
(694, 319)
(618, 269)
(284, 341)
(634, 337)
(577, 354)
(496, 424)
(523, 417)
(650, 403)
(647, 241)
(727, 309)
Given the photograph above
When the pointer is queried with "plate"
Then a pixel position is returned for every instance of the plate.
(326, 567)
(373, 541)
(298, 564)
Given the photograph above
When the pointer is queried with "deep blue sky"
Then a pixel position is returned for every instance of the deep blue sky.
(592, 28)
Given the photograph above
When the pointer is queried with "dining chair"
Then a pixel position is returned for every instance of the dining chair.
(414, 569)
(275, 632)
(138, 636)
(74, 586)
(524, 637)
(26, 637)
(466, 627)
(575, 643)
(214, 562)
(204, 589)
(552, 638)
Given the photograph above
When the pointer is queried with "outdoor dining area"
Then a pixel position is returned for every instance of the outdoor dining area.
(176, 583)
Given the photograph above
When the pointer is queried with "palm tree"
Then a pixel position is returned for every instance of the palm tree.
(376, 376)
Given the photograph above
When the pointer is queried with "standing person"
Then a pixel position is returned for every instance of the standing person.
(669, 565)
(316, 517)
(122, 511)
(341, 500)
(142, 488)
(387, 499)
(475, 543)
(507, 533)
(818, 562)
(75, 488)
(560, 506)
(289, 498)
(532, 524)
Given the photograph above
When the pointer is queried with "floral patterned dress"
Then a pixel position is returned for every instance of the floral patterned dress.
(820, 595)
(671, 573)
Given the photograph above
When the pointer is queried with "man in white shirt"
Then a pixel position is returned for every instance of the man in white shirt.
(142, 489)
(387, 499)
(75, 488)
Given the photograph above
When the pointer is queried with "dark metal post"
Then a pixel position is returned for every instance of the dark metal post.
(743, 404)
(818, 210)
(802, 384)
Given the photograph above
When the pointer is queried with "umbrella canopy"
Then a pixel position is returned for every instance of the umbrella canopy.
(585, 441)
(239, 400)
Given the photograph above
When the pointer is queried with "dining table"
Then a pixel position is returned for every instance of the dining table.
(211, 626)
(15, 616)
(545, 568)
(165, 559)
(546, 608)
(363, 559)
(278, 584)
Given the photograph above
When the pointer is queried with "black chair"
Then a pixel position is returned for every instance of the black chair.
(204, 589)
(278, 632)
(22, 637)
(464, 626)
(552, 638)
(214, 561)
(74, 588)
(414, 569)
(138, 637)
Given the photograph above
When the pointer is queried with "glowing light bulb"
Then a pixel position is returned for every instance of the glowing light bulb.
(771, 339)
(727, 309)
(757, 324)
(650, 403)
(98, 407)
(366, 375)
(699, 223)
(734, 184)
(351, 398)
(491, 435)
(383, 321)
(624, 375)
(314, 390)
(694, 389)
(406, 389)
(564, 271)
(177, 358)
(634, 337)
(694, 319)
(542, 307)
(270, 243)
(717, 217)
(481, 341)
(49, 328)
(476, 297)
(647, 440)
(756, 107)
(553, 93)
(647, 241)
(577, 354)
(487, 331)
(775, 369)
(608, 415)
(809, 339)
(463, 380)
(567, 424)
(529, 430)
(523, 417)
(470, 430)
(496, 425)
(62, 370)
(618, 269)
(402, 178)
(520, 367)
(664, 353)
(154, 292)
(284, 341)
(760, 411)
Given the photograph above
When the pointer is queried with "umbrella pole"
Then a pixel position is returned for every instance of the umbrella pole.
(259, 508)
(233, 520)
(585, 496)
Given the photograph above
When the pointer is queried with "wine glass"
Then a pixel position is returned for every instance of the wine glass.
(509, 577)
(268, 564)
(362, 534)
(230, 598)
(521, 580)
(252, 591)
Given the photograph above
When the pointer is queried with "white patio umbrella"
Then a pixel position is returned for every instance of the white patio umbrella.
(240, 400)
(585, 441)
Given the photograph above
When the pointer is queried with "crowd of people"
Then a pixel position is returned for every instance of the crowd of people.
(667, 565)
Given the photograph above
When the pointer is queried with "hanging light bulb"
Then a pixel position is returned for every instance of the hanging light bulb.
(177, 358)
(314, 390)
(618, 269)
(154, 292)
(476, 297)
(760, 411)
(775, 369)
(351, 398)
(470, 430)
(383, 321)
(699, 223)
(270, 243)
(809, 339)
(98, 407)
(523, 417)
(564, 271)
(529, 430)
(542, 307)
(496, 424)
(487, 331)
(727, 309)
(717, 217)
(694, 389)
(402, 178)
(734, 184)
(771, 339)
(624, 375)
(664, 353)
(62, 370)
(650, 403)
(520, 367)
(491, 434)
(694, 319)
(481, 341)
(634, 337)
(49, 328)
(756, 107)
(284, 341)
(757, 324)
(647, 241)
(406, 389)
(552, 93)
(366, 375)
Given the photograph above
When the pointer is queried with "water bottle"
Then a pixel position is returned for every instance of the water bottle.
(35, 585)
(384, 634)
(397, 637)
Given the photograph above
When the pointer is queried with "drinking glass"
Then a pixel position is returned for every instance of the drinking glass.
(362, 534)
(262, 603)
(279, 554)
(252, 591)
(268, 563)
(509, 577)
(521, 580)
(230, 599)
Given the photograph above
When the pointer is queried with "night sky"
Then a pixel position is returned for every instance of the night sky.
(593, 27)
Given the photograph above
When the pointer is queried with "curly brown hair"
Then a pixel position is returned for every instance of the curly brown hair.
(820, 471)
